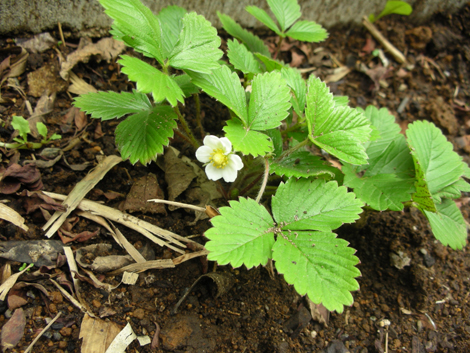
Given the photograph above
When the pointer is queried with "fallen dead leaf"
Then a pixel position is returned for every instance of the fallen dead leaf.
(106, 49)
(145, 188)
(38, 44)
(10, 215)
(97, 334)
(15, 176)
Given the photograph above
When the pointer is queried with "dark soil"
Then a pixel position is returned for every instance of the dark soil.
(426, 302)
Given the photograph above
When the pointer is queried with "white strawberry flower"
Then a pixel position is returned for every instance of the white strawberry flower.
(219, 159)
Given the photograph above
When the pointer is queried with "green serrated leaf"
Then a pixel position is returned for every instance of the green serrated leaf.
(295, 81)
(171, 21)
(198, 45)
(307, 31)
(341, 131)
(326, 208)
(301, 164)
(224, 85)
(252, 42)
(21, 125)
(270, 64)
(42, 129)
(388, 153)
(242, 235)
(393, 7)
(422, 197)
(318, 264)
(187, 86)
(241, 58)
(341, 101)
(264, 18)
(269, 102)
(136, 25)
(448, 224)
(110, 105)
(381, 192)
(434, 154)
(453, 191)
(286, 12)
(143, 135)
(151, 80)
(247, 141)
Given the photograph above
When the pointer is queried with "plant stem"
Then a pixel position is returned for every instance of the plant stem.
(278, 48)
(293, 149)
(197, 102)
(250, 185)
(22, 146)
(265, 180)
(293, 127)
(186, 127)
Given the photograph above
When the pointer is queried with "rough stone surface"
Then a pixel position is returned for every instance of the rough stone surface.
(87, 16)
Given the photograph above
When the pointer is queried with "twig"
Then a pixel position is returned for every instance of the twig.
(61, 34)
(398, 55)
(42, 332)
(179, 204)
(265, 180)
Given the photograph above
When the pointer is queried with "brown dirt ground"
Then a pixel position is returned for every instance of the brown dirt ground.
(426, 302)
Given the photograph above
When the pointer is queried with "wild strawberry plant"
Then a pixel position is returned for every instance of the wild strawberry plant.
(280, 118)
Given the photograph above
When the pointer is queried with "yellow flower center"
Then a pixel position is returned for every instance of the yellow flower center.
(218, 158)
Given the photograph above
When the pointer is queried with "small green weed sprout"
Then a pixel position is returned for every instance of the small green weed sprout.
(21, 125)
(393, 7)
(277, 118)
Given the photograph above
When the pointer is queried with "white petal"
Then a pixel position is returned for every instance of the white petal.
(213, 173)
(227, 144)
(229, 173)
(212, 141)
(203, 154)
(235, 161)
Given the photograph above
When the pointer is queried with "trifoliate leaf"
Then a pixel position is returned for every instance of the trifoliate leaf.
(269, 101)
(241, 58)
(341, 131)
(307, 31)
(21, 125)
(301, 164)
(136, 25)
(243, 234)
(151, 80)
(171, 21)
(252, 42)
(110, 105)
(198, 44)
(224, 85)
(295, 81)
(42, 129)
(263, 17)
(326, 208)
(247, 141)
(448, 224)
(142, 136)
(381, 192)
(434, 154)
(270, 64)
(286, 12)
(318, 264)
(186, 85)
